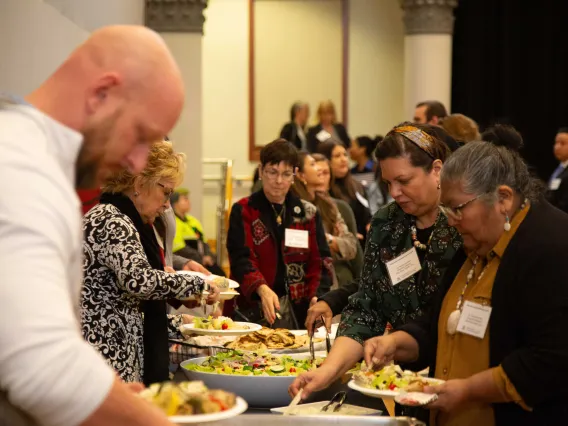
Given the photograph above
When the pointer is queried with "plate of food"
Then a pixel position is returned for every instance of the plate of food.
(275, 340)
(222, 282)
(193, 402)
(389, 382)
(262, 379)
(220, 326)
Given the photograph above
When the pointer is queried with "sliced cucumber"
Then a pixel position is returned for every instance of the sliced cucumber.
(277, 369)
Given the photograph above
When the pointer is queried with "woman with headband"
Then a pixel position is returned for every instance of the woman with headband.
(409, 247)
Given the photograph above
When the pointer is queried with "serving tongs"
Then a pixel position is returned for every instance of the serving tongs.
(327, 338)
(340, 398)
(203, 299)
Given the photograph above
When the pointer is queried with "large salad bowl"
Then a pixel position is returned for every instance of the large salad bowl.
(260, 391)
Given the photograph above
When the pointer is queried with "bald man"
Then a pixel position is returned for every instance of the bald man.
(99, 112)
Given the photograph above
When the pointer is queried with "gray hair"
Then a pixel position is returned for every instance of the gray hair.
(482, 167)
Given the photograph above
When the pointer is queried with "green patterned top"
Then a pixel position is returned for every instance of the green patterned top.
(378, 302)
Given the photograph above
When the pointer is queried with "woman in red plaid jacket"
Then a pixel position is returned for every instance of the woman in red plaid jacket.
(277, 245)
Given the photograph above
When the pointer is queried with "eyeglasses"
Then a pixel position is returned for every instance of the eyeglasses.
(167, 191)
(273, 175)
(455, 213)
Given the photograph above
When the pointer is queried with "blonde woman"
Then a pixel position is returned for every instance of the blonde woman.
(124, 275)
(327, 128)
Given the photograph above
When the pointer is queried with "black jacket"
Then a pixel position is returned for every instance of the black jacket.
(290, 133)
(339, 128)
(528, 322)
(559, 197)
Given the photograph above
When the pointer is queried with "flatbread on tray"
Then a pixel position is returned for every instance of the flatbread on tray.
(267, 338)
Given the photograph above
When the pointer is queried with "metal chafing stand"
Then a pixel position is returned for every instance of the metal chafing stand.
(279, 420)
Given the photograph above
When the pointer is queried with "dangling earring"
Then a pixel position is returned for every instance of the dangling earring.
(507, 226)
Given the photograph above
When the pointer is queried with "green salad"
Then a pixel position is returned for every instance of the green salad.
(254, 364)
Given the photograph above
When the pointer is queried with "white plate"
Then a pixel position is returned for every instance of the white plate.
(388, 394)
(224, 295)
(300, 410)
(415, 399)
(239, 408)
(232, 283)
(190, 328)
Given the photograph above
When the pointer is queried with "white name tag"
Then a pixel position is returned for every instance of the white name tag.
(554, 184)
(474, 319)
(323, 135)
(403, 266)
(296, 238)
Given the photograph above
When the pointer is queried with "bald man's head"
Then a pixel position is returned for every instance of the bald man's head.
(123, 90)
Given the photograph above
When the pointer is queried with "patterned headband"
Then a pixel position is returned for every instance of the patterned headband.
(418, 137)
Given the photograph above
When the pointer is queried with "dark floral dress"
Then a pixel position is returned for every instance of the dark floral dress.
(378, 302)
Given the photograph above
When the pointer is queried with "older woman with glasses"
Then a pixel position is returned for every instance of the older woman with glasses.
(497, 334)
(125, 286)
(277, 246)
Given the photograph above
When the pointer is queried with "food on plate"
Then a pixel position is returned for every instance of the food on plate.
(391, 377)
(221, 282)
(254, 364)
(267, 338)
(188, 398)
(219, 323)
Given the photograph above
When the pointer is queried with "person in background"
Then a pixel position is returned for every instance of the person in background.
(342, 243)
(277, 246)
(429, 112)
(411, 160)
(367, 172)
(345, 187)
(462, 128)
(327, 128)
(558, 183)
(355, 265)
(361, 152)
(511, 276)
(124, 278)
(189, 239)
(96, 114)
(295, 130)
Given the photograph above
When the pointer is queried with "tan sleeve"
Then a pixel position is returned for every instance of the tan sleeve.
(507, 388)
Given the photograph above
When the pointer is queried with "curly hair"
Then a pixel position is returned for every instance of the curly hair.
(163, 163)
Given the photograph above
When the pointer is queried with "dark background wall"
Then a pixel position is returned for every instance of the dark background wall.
(510, 65)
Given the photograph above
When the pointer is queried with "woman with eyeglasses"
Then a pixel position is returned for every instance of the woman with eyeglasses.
(409, 248)
(497, 333)
(125, 288)
(277, 246)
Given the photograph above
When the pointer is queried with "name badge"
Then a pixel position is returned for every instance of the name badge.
(323, 135)
(296, 238)
(554, 184)
(403, 266)
(474, 319)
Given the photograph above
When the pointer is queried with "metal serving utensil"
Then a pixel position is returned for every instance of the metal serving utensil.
(339, 397)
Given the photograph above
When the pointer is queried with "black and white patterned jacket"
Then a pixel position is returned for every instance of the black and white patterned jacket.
(117, 278)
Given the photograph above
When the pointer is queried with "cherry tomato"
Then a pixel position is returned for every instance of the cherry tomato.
(392, 386)
(255, 365)
(225, 326)
(292, 370)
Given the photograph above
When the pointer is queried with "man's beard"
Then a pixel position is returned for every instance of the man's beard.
(89, 167)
